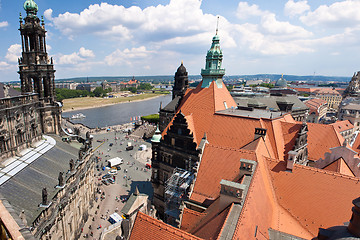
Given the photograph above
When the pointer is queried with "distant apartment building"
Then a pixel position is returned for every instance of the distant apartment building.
(331, 96)
(86, 86)
(317, 109)
(67, 85)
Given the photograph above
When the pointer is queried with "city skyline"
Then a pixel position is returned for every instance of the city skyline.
(125, 38)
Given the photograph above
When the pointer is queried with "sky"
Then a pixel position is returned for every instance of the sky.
(148, 37)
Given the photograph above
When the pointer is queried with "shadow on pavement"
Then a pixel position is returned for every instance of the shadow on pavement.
(143, 186)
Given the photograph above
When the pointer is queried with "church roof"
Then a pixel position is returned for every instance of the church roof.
(23, 191)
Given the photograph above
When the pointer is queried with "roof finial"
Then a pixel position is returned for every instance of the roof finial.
(217, 25)
(182, 62)
(282, 75)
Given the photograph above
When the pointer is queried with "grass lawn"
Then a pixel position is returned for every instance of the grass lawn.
(86, 102)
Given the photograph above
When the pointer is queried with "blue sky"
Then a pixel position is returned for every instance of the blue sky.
(148, 37)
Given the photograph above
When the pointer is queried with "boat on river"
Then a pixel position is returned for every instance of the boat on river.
(78, 116)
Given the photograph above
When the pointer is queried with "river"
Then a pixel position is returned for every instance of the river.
(118, 113)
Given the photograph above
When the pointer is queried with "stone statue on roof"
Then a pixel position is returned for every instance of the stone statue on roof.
(72, 165)
(6, 90)
(61, 179)
(44, 196)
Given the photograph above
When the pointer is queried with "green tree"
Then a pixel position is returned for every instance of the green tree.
(99, 92)
(145, 86)
(132, 89)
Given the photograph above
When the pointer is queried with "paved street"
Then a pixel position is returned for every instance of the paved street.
(132, 174)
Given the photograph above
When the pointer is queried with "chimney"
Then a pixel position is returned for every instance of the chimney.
(259, 132)
(291, 160)
(354, 225)
(231, 192)
(246, 167)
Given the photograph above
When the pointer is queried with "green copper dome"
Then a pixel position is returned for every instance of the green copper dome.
(30, 7)
(157, 136)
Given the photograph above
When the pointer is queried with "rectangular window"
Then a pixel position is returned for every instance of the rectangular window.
(225, 105)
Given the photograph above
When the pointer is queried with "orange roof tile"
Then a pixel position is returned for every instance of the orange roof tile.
(340, 166)
(210, 227)
(146, 227)
(190, 218)
(341, 126)
(217, 163)
(317, 198)
(261, 209)
(321, 138)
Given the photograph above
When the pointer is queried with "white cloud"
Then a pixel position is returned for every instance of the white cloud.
(338, 14)
(4, 65)
(4, 24)
(13, 53)
(75, 57)
(178, 18)
(296, 8)
(127, 56)
(282, 29)
(86, 52)
(48, 14)
(244, 10)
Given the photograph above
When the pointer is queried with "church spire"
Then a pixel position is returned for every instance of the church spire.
(213, 70)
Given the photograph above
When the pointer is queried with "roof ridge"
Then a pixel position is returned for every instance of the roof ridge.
(326, 172)
(232, 149)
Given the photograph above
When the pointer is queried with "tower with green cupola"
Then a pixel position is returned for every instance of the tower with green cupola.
(213, 71)
(36, 69)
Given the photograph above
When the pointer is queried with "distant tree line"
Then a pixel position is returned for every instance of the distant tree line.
(64, 93)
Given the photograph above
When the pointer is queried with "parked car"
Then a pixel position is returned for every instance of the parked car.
(105, 181)
(111, 180)
(118, 168)
(113, 171)
(129, 148)
(106, 176)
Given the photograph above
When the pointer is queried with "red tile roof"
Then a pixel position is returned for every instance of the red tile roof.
(146, 227)
(217, 163)
(321, 138)
(190, 218)
(341, 126)
(316, 198)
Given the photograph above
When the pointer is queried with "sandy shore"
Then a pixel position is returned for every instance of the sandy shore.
(110, 104)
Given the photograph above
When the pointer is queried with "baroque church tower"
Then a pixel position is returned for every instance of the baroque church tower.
(36, 69)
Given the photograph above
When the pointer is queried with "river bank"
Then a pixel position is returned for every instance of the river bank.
(76, 104)
(118, 114)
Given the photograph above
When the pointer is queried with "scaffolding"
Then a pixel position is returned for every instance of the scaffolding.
(176, 190)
